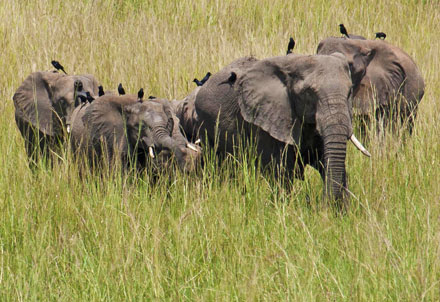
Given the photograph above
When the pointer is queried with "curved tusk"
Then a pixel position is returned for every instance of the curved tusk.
(68, 129)
(192, 147)
(198, 141)
(358, 145)
(151, 152)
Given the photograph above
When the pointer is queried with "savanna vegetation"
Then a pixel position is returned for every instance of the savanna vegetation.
(233, 232)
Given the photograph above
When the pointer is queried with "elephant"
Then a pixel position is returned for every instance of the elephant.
(43, 104)
(390, 88)
(186, 113)
(135, 132)
(299, 107)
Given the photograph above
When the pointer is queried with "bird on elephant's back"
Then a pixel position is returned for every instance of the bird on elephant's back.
(135, 132)
(391, 87)
(296, 103)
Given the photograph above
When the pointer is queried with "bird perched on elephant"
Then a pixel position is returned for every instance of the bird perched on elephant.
(298, 106)
(44, 103)
(127, 129)
(390, 88)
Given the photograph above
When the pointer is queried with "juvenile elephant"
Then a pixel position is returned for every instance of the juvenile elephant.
(391, 87)
(44, 103)
(128, 129)
(299, 106)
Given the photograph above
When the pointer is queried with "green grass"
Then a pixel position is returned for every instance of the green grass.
(232, 233)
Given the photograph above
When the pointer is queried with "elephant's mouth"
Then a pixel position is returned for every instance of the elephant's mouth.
(186, 155)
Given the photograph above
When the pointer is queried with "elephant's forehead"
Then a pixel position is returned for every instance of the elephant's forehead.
(67, 83)
(153, 116)
(153, 112)
(341, 45)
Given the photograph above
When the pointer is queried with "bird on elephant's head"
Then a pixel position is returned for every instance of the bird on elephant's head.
(44, 103)
(391, 81)
(299, 106)
(134, 131)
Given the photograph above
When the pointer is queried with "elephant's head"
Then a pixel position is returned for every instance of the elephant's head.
(151, 128)
(287, 96)
(154, 123)
(380, 71)
(46, 100)
(356, 51)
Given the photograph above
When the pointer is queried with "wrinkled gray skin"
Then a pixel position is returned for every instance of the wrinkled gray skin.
(391, 78)
(43, 104)
(185, 112)
(299, 106)
(122, 128)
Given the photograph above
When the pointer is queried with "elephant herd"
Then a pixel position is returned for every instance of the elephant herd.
(299, 108)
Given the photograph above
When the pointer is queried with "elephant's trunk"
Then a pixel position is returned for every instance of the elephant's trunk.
(186, 154)
(335, 146)
(334, 124)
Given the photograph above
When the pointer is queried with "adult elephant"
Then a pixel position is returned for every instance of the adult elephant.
(299, 106)
(127, 129)
(390, 88)
(43, 104)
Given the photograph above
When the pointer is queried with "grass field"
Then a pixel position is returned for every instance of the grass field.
(231, 233)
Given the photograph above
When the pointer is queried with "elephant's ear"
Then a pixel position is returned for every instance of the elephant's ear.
(169, 111)
(385, 75)
(33, 100)
(103, 118)
(265, 101)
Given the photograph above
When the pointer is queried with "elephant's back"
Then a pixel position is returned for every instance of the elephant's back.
(104, 124)
(219, 93)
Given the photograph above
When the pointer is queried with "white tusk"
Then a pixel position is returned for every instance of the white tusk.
(151, 152)
(358, 145)
(192, 147)
(198, 141)
(68, 128)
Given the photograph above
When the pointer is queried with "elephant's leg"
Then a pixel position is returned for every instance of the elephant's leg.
(33, 143)
(408, 117)
(383, 119)
(363, 123)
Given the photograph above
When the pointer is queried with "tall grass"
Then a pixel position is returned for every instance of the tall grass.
(233, 232)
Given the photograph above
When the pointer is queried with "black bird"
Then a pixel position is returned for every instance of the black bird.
(81, 98)
(381, 35)
(90, 98)
(343, 30)
(203, 81)
(100, 90)
(198, 83)
(232, 77)
(290, 46)
(152, 97)
(121, 89)
(140, 94)
(58, 66)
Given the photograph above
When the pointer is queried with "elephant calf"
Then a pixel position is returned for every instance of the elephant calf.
(130, 130)
(299, 106)
(389, 88)
(44, 103)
